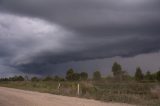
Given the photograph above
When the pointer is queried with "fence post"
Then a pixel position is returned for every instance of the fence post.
(59, 85)
(78, 89)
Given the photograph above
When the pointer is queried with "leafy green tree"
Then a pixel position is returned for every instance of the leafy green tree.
(158, 75)
(116, 69)
(70, 75)
(149, 76)
(76, 77)
(84, 76)
(97, 75)
(118, 73)
(139, 75)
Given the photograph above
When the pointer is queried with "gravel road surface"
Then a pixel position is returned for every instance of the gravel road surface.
(15, 97)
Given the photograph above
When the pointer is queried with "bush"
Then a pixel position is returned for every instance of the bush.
(16, 78)
(158, 75)
(48, 78)
(84, 76)
(70, 74)
(138, 74)
(96, 76)
(34, 79)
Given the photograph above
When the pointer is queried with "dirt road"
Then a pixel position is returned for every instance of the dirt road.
(14, 97)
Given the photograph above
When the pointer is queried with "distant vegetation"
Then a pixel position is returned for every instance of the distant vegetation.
(118, 74)
(15, 78)
(141, 88)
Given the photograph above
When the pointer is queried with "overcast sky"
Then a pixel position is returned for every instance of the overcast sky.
(44, 37)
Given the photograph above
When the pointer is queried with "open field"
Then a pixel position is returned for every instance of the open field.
(143, 94)
(14, 97)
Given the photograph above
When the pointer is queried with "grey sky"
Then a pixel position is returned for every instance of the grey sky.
(36, 34)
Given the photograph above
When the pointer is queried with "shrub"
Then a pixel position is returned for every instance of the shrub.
(48, 78)
(34, 79)
(138, 74)
(96, 75)
(158, 76)
(84, 76)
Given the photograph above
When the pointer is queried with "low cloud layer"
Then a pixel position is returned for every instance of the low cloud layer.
(34, 34)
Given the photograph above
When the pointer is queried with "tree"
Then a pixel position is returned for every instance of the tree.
(70, 74)
(57, 78)
(26, 78)
(76, 77)
(16, 78)
(83, 76)
(118, 73)
(158, 75)
(116, 69)
(96, 75)
(139, 74)
(34, 79)
(48, 78)
(5, 79)
(154, 75)
(149, 76)
(125, 76)
(20, 78)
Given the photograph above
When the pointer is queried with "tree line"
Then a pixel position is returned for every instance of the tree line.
(118, 75)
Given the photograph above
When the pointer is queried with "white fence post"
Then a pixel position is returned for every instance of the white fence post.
(78, 89)
(59, 85)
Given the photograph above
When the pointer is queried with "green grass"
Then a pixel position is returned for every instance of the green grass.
(123, 92)
(132, 92)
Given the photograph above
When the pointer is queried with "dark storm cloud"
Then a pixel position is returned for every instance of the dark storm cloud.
(87, 13)
(45, 32)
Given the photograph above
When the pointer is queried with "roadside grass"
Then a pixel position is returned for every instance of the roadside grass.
(124, 92)
(128, 92)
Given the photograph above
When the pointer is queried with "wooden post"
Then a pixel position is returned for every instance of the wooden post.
(78, 89)
(59, 85)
